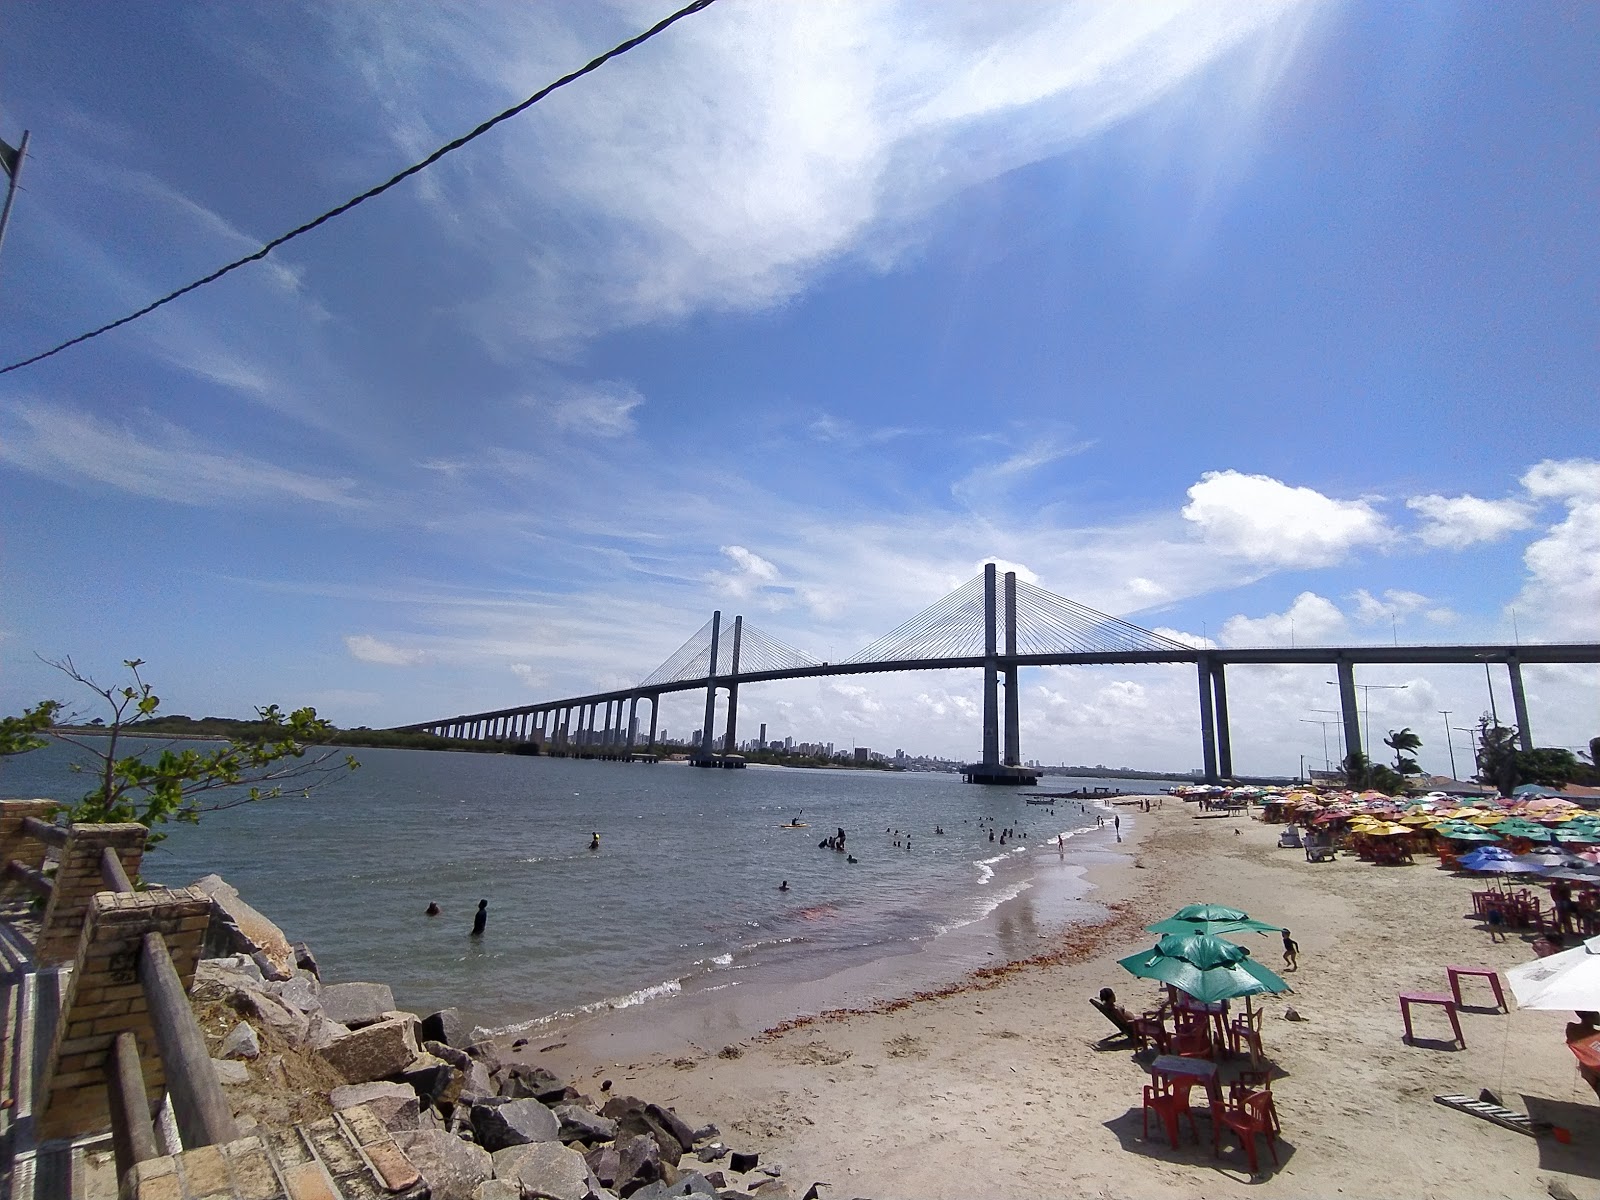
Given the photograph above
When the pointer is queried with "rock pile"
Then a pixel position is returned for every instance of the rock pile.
(476, 1127)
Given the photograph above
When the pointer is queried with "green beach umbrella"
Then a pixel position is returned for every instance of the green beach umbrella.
(1205, 967)
(1465, 832)
(1210, 918)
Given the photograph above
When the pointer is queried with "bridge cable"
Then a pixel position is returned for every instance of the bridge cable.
(616, 51)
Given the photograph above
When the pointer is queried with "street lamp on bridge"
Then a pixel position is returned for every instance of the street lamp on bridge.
(1326, 765)
(1366, 704)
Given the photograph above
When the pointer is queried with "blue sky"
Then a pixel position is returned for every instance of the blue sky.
(1245, 322)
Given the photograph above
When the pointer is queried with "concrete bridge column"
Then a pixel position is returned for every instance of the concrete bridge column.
(1208, 736)
(1013, 729)
(991, 670)
(1348, 709)
(655, 707)
(706, 736)
(633, 719)
(730, 743)
(1219, 688)
(1519, 703)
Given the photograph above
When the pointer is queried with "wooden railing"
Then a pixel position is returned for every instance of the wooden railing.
(201, 1111)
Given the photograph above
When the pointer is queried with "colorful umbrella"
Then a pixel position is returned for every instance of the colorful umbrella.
(1570, 979)
(1210, 919)
(1205, 967)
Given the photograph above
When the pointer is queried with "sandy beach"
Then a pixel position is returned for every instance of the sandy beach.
(997, 1087)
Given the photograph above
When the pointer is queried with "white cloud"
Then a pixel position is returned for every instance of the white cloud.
(1456, 522)
(369, 649)
(1186, 639)
(157, 460)
(1561, 595)
(756, 144)
(750, 573)
(1263, 520)
(1395, 603)
(1310, 620)
(600, 409)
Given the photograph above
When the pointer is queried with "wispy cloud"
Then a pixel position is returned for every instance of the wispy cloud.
(151, 457)
(720, 170)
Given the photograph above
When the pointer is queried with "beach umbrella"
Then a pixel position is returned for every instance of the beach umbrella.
(1203, 966)
(1569, 979)
(1212, 919)
(1576, 874)
(1465, 833)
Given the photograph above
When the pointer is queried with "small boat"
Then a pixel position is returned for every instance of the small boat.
(1050, 800)
(794, 825)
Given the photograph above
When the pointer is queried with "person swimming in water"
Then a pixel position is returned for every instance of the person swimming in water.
(850, 858)
(594, 841)
(432, 910)
(784, 886)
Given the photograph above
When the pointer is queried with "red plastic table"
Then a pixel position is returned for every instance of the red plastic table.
(1407, 999)
(1489, 973)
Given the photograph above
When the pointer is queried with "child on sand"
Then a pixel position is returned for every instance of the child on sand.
(1291, 953)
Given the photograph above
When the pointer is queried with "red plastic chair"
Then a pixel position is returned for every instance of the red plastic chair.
(1169, 1099)
(1253, 1114)
(1245, 1034)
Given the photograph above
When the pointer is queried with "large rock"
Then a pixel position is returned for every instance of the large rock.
(513, 1123)
(373, 1052)
(638, 1163)
(300, 993)
(394, 1103)
(237, 928)
(357, 1004)
(229, 1071)
(241, 1042)
(433, 1079)
(673, 1124)
(578, 1124)
(452, 1167)
(551, 1171)
(445, 1026)
(633, 1117)
(520, 1081)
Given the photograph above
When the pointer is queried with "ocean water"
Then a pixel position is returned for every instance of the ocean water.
(682, 897)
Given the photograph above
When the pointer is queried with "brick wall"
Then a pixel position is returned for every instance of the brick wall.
(104, 997)
(78, 878)
(13, 844)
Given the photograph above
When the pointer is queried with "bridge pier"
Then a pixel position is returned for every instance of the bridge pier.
(730, 742)
(991, 671)
(1013, 724)
(633, 719)
(1208, 733)
(1347, 707)
(707, 737)
(1519, 704)
(655, 706)
(1219, 687)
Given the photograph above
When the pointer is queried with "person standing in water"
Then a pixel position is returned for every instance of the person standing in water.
(594, 841)
(482, 919)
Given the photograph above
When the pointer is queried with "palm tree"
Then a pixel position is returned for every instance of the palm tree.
(1402, 743)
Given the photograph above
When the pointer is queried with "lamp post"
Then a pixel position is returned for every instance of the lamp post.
(1448, 741)
(1326, 765)
(1469, 732)
(1338, 725)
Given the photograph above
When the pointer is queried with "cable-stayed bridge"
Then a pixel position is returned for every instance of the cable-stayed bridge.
(993, 624)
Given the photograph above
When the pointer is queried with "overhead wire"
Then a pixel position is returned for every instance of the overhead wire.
(421, 165)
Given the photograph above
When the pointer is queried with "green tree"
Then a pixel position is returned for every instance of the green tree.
(169, 785)
(18, 735)
(1504, 765)
(1404, 743)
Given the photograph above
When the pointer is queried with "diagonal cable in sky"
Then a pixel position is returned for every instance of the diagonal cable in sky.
(617, 51)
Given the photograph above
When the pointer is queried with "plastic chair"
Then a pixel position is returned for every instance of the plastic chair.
(1254, 1113)
(1245, 1032)
(1169, 1099)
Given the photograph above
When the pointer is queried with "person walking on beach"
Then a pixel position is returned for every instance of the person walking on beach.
(482, 919)
(1291, 953)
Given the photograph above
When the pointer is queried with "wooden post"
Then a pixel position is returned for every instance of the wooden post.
(203, 1115)
(133, 1139)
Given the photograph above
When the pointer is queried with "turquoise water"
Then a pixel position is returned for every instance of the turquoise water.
(682, 895)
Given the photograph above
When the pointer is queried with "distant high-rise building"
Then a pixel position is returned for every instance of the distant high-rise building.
(763, 738)
(863, 754)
